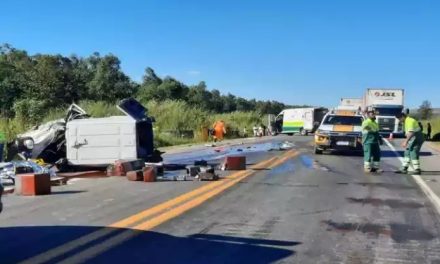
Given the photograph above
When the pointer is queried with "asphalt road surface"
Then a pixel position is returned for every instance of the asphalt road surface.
(290, 206)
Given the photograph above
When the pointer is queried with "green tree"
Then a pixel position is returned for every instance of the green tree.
(425, 110)
(14, 80)
(216, 102)
(109, 83)
(149, 88)
(200, 97)
(229, 104)
(243, 104)
(150, 77)
(172, 89)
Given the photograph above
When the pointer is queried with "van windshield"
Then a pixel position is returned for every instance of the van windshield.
(343, 120)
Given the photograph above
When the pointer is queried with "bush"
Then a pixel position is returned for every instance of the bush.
(30, 110)
(100, 108)
(171, 116)
(237, 121)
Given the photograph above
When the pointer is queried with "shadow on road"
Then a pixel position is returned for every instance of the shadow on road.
(347, 153)
(20, 243)
(392, 154)
(66, 192)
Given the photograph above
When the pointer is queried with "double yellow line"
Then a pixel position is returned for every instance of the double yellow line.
(152, 217)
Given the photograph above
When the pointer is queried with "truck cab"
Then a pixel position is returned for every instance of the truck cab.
(387, 103)
(386, 118)
(340, 130)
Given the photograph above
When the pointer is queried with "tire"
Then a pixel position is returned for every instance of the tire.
(303, 132)
(318, 151)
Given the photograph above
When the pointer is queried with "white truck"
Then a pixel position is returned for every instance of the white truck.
(351, 103)
(387, 103)
(299, 120)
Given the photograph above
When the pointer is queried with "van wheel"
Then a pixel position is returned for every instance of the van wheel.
(303, 132)
(318, 151)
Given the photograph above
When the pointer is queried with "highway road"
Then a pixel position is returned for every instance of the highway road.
(289, 206)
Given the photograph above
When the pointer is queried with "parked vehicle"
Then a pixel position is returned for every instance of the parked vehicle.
(340, 130)
(101, 141)
(46, 141)
(299, 120)
(79, 140)
(386, 103)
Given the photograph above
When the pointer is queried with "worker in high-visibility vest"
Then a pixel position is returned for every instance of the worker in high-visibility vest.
(371, 142)
(412, 144)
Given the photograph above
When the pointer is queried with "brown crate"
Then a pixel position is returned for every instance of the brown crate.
(119, 169)
(34, 184)
(135, 175)
(149, 174)
(235, 163)
(123, 166)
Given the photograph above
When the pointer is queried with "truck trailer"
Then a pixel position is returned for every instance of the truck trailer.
(351, 103)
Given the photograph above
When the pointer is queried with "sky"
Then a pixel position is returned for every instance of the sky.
(296, 51)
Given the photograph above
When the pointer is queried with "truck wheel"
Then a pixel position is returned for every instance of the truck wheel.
(318, 151)
(303, 132)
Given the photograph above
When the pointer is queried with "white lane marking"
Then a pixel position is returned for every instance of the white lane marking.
(435, 200)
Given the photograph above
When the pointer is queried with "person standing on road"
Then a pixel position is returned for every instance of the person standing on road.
(429, 130)
(371, 141)
(412, 144)
(219, 130)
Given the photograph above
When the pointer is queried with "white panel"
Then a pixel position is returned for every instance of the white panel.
(110, 153)
(100, 141)
(384, 97)
(128, 141)
(71, 131)
(99, 129)
(128, 129)
(107, 139)
(128, 153)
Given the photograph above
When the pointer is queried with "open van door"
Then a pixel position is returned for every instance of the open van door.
(131, 107)
(144, 128)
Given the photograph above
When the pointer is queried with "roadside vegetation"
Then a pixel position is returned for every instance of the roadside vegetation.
(38, 88)
(435, 124)
(426, 114)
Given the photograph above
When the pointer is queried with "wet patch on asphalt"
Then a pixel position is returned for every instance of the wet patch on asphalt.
(311, 163)
(285, 167)
(216, 153)
(399, 233)
(392, 203)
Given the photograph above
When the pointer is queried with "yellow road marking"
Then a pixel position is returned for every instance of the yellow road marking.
(71, 245)
(94, 251)
(184, 197)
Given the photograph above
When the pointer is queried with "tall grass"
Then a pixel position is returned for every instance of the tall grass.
(169, 115)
